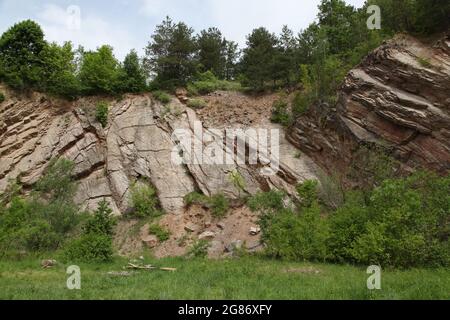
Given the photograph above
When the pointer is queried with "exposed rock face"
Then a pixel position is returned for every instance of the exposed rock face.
(398, 98)
(137, 143)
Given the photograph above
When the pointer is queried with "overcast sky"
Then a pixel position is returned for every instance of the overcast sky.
(128, 24)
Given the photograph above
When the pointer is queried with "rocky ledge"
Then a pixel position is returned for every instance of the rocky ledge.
(397, 98)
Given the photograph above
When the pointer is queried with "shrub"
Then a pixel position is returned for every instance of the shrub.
(308, 192)
(219, 206)
(89, 248)
(346, 225)
(280, 113)
(144, 201)
(101, 222)
(408, 224)
(199, 249)
(43, 220)
(238, 181)
(195, 198)
(294, 236)
(197, 104)
(101, 113)
(2, 97)
(218, 203)
(161, 96)
(268, 201)
(301, 103)
(207, 82)
(162, 234)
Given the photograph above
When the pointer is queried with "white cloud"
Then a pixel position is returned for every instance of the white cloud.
(93, 32)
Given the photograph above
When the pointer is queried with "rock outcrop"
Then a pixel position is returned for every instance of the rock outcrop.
(137, 143)
(397, 98)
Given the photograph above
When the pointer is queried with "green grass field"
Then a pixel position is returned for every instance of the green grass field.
(245, 278)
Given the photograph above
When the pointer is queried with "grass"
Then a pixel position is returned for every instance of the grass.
(245, 278)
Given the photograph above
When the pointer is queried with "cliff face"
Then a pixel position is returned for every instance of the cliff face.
(397, 98)
(137, 143)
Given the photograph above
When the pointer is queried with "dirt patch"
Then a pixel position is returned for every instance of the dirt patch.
(234, 109)
(185, 229)
(196, 222)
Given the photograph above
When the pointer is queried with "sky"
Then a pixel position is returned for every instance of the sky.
(129, 24)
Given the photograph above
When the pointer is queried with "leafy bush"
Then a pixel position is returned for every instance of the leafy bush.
(199, 249)
(197, 103)
(207, 82)
(144, 200)
(161, 96)
(405, 222)
(2, 97)
(295, 236)
(219, 206)
(42, 221)
(269, 201)
(101, 113)
(280, 113)
(162, 234)
(308, 192)
(95, 242)
(89, 248)
(408, 224)
(101, 222)
(218, 203)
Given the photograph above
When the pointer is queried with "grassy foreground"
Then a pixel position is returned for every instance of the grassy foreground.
(246, 278)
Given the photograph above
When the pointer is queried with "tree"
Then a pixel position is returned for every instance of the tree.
(338, 20)
(58, 73)
(132, 76)
(285, 67)
(258, 58)
(99, 71)
(432, 15)
(212, 49)
(170, 54)
(231, 58)
(20, 55)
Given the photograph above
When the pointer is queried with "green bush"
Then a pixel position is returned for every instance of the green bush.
(267, 201)
(101, 222)
(207, 82)
(101, 113)
(144, 201)
(199, 249)
(218, 203)
(293, 236)
(42, 221)
(219, 206)
(161, 96)
(308, 192)
(280, 113)
(2, 97)
(161, 233)
(402, 223)
(89, 248)
(197, 103)
(408, 224)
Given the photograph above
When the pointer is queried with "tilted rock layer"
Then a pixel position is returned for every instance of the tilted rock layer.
(397, 98)
(138, 142)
